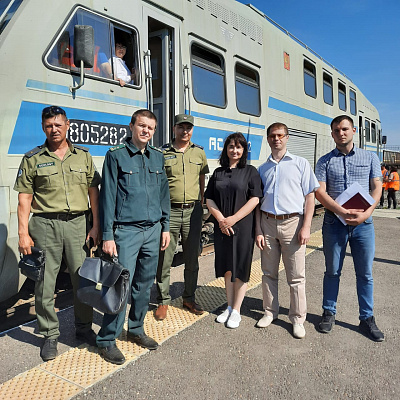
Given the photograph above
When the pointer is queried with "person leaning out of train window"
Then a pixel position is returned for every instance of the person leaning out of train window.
(392, 187)
(121, 72)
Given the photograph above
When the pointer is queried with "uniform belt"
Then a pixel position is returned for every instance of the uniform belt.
(60, 216)
(183, 205)
(282, 216)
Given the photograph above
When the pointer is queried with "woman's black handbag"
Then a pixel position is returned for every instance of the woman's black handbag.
(32, 265)
(103, 284)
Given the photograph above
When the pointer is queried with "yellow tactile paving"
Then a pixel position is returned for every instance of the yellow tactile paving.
(82, 366)
(38, 384)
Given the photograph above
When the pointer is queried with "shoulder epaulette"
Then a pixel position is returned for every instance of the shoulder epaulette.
(197, 145)
(166, 146)
(155, 148)
(34, 151)
(76, 146)
(117, 147)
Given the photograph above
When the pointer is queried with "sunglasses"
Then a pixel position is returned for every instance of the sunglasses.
(53, 110)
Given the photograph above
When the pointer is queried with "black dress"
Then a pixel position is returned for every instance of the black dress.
(230, 189)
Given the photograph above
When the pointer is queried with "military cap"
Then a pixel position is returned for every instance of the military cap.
(181, 118)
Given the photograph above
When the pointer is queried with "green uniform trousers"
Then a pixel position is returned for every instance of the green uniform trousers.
(138, 250)
(186, 222)
(61, 240)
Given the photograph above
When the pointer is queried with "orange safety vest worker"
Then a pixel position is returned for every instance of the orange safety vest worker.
(394, 182)
(384, 175)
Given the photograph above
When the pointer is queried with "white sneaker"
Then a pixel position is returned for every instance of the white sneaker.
(298, 331)
(265, 321)
(234, 320)
(222, 318)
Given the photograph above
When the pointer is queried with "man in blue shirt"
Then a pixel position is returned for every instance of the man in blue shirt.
(336, 171)
(134, 214)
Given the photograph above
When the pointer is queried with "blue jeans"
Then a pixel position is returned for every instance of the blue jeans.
(362, 244)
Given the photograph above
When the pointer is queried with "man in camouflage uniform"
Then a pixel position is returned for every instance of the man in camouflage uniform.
(54, 181)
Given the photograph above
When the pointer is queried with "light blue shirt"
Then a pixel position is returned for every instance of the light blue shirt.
(286, 184)
(340, 171)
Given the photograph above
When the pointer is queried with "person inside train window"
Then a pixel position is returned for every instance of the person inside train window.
(121, 71)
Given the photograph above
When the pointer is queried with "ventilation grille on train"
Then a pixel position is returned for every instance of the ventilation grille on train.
(238, 22)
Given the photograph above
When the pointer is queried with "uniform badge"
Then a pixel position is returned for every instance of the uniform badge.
(47, 164)
(19, 173)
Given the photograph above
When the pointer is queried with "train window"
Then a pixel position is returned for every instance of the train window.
(342, 96)
(208, 77)
(373, 133)
(328, 89)
(353, 102)
(247, 90)
(6, 18)
(310, 84)
(115, 49)
(367, 132)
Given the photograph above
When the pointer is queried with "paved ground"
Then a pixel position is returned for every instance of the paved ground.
(208, 360)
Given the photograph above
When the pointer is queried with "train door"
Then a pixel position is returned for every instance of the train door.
(164, 79)
(160, 56)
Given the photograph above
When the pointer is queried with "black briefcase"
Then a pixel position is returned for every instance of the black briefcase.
(32, 265)
(103, 284)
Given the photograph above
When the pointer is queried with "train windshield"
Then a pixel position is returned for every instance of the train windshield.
(7, 11)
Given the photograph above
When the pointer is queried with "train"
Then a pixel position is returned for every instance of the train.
(228, 64)
(391, 158)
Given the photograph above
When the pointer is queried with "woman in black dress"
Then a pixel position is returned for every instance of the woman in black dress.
(234, 190)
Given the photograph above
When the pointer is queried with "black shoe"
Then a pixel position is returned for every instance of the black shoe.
(368, 327)
(49, 350)
(112, 354)
(144, 341)
(88, 337)
(327, 322)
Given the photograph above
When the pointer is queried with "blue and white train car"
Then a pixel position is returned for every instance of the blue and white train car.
(223, 62)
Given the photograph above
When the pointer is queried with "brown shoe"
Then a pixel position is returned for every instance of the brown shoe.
(193, 307)
(161, 312)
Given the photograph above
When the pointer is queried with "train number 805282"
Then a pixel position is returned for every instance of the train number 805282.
(96, 133)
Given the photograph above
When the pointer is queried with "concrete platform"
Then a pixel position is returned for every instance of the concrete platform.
(201, 359)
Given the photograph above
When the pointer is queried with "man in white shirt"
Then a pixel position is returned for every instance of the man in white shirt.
(283, 223)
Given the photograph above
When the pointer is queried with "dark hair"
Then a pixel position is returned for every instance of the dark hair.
(143, 113)
(393, 168)
(52, 111)
(239, 139)
(277, 125)
(340, 118)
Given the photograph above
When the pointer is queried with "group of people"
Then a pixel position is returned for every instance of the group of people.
(391, 183)
(150, 197)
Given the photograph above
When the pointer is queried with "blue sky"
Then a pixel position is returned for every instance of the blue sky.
(359, 37)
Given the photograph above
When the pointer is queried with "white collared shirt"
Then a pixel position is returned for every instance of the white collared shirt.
(286, 183)
(121, 71)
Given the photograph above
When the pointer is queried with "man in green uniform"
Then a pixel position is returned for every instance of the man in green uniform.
(54, 181)
(134, 215)
(186, 166)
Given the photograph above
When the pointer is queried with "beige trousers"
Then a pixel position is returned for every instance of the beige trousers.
(281, 238)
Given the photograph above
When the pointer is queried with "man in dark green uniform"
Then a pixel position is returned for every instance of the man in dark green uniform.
(54, 181)
(134, 214)
(186, 166)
